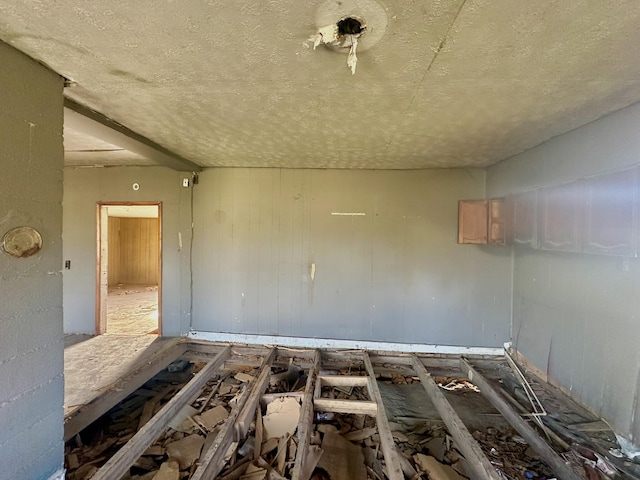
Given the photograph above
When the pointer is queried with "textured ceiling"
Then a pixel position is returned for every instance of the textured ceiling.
(449, 83)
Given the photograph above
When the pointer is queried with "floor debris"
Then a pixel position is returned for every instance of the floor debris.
(266, 441)
(341, 458)
(282, 417)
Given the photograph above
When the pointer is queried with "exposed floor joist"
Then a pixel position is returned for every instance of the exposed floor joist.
(479, 463)
(301, 469)
(212, 462)
(335, 370)
(394, 470)
(543, 449)
(119, 464)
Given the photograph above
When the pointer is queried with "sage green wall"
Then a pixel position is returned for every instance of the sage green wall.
(577, 316)
(394, 274)
(31, 343)
(83, 189)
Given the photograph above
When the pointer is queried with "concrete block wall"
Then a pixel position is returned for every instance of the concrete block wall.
(31, 342)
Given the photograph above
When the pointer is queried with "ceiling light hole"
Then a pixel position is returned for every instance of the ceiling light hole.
(351, 26)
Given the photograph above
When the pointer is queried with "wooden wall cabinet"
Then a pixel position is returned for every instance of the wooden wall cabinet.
(611, 211)
(598, 215)
(498, 222)
(524, 218)
(561, 210)
(472, 222)
(482, 222)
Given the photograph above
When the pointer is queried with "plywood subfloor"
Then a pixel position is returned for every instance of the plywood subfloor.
(93, 364)
(132, 309)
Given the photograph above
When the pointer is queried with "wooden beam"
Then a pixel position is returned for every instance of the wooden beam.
(542, 448)
(83, 416)
(345, 406)
(120, 463)
(394, 469)
(305, 425)
(249, 411)
(212, 460)
(92, 123)
(477, 461)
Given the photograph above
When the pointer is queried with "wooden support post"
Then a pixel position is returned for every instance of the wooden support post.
(212, 459)
(477, 461)
(394, 470)
(83, 416)
(542, 448)
(305, 425)
(120, 463)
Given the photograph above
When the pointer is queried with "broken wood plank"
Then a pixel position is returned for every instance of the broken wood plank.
(359, 435)
(244, 377)
(345, 406)
(478, 461)
(342, 381)
(342, 459)
(212, 461)
(186, 450)
(169, 470)
(119, 463)
(212, 417)
(270, 397)
(557, 464)
(238, 470)
(437, 470)
(257, 450)
(282, 418)
(595, 426)
(281, 456)
(77, 420)
(300, 470)
(394, 469)
(407, 468)
(212, 392)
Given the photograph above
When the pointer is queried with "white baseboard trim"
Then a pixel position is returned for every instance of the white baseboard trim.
(59, 475)
(303, 342)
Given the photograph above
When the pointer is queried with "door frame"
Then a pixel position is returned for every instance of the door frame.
(102, 220)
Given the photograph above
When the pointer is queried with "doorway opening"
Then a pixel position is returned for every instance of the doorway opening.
(129, 268)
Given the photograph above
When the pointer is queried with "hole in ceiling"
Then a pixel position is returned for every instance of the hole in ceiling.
(350, 26)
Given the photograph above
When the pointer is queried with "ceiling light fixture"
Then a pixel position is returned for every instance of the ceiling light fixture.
(340, 25)
(343, 34)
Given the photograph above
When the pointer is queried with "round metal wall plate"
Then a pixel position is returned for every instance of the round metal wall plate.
(21, 242)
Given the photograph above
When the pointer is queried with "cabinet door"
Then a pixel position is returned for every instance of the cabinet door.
(497, 221)
(472, 221)
(524, 218)
(610, 225)
(561, 210)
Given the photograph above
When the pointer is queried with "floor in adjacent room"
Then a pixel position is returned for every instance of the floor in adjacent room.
(132, 309)
(96, 364)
